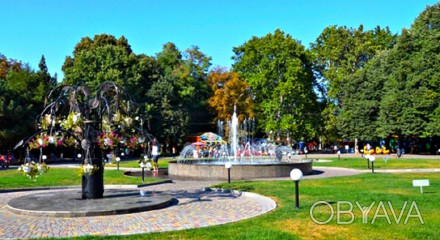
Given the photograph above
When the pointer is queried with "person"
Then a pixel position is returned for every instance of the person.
(155, 152)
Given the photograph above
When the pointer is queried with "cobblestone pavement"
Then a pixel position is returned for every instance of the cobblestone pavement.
(194, 209)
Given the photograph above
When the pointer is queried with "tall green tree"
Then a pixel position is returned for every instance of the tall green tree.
(398, 91)
(188, 73)
(415, 80)
(105, 58)
(279, 71)
(22, 92)
(338, 53)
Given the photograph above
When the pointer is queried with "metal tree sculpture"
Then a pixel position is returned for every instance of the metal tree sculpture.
(98, 121)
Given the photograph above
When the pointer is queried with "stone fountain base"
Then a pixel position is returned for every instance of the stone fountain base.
(207, 171)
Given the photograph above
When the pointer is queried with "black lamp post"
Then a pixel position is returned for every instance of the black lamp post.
(367, 156)
(118, 159)
(228, 166)
(372, 159)
(296, 175)
(143, 165)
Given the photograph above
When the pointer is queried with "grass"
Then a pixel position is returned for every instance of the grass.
(380, 163)
(61, 177)
(133, 163)
(286, 222)
(346, 162)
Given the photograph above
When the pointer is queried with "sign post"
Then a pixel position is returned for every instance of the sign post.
(421, 183)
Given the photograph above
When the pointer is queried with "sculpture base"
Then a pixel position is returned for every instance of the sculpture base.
(93, 184)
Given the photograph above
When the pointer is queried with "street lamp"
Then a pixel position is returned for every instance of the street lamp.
(228, 166)
(296, 175)
(372, 159)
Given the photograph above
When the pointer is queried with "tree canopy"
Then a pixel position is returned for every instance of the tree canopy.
(398, 91)
(22, 96)
(279, 72)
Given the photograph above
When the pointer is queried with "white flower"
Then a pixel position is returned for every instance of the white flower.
(76, 117)
(128, 120)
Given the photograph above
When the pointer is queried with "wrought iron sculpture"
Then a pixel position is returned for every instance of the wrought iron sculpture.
(93, 122)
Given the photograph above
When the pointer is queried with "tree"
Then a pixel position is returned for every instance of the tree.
(338, 53)
(398, 91)
(43, 74)
(186, 75)
(415, 74)
(279, 71)
(229, 90)
(105, 58)
(22, 94)
(169, 116)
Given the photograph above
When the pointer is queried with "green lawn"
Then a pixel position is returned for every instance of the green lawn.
(286, 222)
(133, 163)
(346, 162)
(62, 177)
(380, 163)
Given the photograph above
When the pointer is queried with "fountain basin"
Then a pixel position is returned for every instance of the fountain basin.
(217, 171)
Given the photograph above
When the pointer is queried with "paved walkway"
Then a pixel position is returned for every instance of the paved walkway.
(195, 208)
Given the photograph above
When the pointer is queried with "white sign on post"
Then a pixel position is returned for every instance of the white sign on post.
(421, 183)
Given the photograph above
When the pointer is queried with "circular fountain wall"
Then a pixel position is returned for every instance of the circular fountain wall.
(247, 163)
(212, 170)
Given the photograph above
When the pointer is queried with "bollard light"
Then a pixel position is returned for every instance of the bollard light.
(228, 166)
(362, 152)
(118, 159)
(143, 171)
(305, 151)
(44, 157)
(372, 159)
(296, 175)
(79, 155)
(367, 156)
(339, 155)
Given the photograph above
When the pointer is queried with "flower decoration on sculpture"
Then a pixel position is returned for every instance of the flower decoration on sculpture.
(109, 140)
(33, 170)
(87, 168)
(73, 122)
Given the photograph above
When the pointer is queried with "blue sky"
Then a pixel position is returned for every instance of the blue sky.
(31, 28)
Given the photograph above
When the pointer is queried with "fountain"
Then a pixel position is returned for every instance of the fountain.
(249, 161)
